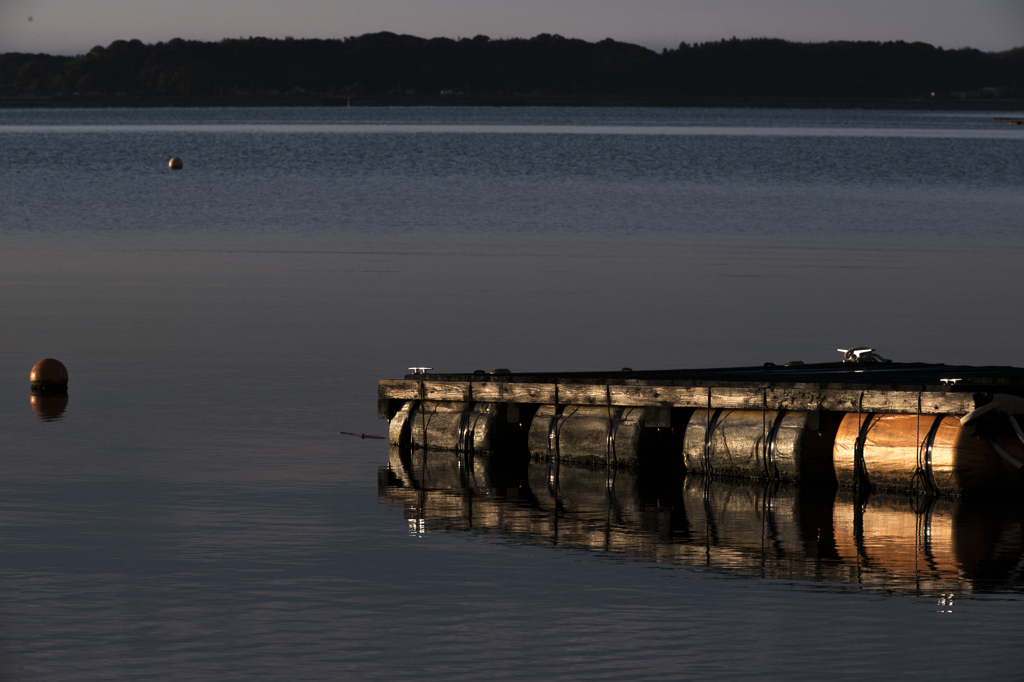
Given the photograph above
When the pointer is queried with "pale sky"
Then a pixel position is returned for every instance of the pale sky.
(75, 26)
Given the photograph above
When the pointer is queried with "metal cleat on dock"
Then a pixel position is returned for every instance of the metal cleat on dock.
(861, 354)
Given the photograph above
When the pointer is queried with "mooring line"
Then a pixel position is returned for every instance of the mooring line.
(764, 432)
(423, 416)
(917, 438)
(609, 445)
(923, 530)
(930, 440)
(925, 474)
(707, 438)
(556, 427)
(362, 435)
(859, 467)
(615, 421)
(773, 436)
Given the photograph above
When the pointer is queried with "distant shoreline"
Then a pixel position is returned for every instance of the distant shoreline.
(141, 102)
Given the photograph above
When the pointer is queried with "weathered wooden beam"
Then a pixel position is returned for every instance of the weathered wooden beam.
(736, 398)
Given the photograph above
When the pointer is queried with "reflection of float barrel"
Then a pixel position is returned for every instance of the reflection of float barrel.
(887, 538)
(427, 469)
(743, 519)
(930, 543)
(927, 541)
(585, 491)
(772, 444)
(905, 451)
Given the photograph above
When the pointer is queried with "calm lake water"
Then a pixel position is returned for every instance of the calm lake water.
(195, 513)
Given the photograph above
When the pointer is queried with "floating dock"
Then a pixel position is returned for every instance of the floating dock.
(864, 423)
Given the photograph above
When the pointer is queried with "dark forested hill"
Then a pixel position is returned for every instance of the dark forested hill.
(389, 64)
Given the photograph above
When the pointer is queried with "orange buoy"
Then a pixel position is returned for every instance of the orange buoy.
(175, 163)
(49, 375)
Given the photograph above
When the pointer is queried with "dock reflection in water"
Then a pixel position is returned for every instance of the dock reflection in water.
(916, 545)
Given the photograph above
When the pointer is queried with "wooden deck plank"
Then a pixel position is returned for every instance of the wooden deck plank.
(634, 395)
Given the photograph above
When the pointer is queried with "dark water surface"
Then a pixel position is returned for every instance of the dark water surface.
(195, 514)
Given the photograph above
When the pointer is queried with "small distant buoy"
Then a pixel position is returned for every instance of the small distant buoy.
(175, 163)
(49, 376)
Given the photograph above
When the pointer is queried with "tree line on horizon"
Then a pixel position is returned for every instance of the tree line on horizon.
(390, 64)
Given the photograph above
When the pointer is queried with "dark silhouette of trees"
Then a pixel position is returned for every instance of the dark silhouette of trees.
(390, 64)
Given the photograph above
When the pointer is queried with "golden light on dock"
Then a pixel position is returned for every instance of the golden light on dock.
(897, 449)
